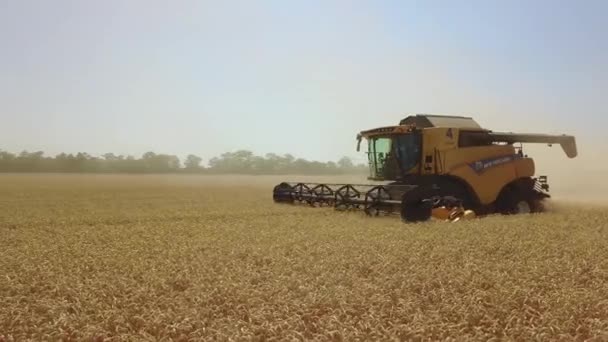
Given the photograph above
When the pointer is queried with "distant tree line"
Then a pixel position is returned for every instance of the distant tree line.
(239, 162)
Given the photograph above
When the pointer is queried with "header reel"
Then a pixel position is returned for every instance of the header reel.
(373, 200)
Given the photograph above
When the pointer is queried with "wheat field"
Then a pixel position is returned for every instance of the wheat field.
(159, 258)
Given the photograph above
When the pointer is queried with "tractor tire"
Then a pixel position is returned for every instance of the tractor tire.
(414, 208)
(418, 211)
(416, 205)
(442, 185)
(517, 201)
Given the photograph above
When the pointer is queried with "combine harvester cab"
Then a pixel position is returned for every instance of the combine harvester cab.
(447, 167)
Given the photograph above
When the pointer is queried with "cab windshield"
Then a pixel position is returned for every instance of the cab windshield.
(388, 155)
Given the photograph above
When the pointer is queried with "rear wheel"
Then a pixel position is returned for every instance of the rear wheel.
(519, 198)
(523, 207)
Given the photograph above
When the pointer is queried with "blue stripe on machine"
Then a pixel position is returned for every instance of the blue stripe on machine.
(482, 165)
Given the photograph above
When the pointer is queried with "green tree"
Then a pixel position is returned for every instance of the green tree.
(161, 163)
(345, 163)
(193, 162)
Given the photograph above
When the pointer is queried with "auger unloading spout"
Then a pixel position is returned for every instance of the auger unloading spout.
(438, 166)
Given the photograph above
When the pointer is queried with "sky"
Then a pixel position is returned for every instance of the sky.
(299, 77)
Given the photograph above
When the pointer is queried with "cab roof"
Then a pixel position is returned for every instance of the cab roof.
(422, 121)
(432, 120)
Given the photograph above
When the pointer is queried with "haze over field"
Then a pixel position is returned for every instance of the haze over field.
(207, 77)
(111, 228)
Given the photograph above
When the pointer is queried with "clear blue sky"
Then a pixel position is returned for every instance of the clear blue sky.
(302, 77)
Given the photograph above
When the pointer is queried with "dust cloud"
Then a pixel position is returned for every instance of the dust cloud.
(581, 179)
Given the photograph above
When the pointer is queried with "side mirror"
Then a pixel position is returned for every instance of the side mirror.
(358, 142)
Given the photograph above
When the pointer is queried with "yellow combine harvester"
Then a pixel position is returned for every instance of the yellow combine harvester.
(448, 167)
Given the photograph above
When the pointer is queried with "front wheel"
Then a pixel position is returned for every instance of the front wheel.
(416, 206)
(418, 211)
